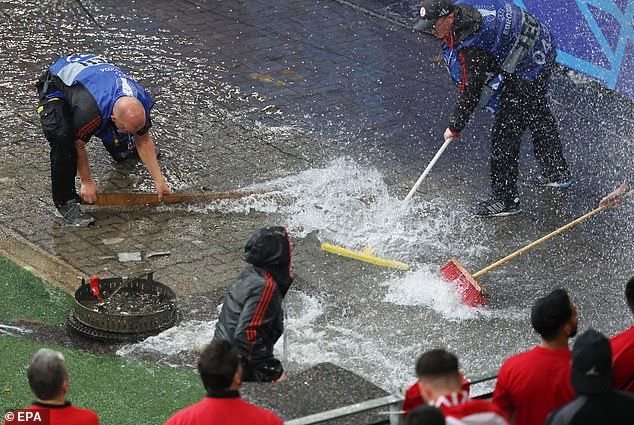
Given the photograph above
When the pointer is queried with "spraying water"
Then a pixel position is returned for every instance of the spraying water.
(378, 325)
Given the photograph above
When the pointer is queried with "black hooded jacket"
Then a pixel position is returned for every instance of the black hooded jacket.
(251, 317)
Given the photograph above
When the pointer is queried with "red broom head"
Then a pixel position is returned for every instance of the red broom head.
(468, 288)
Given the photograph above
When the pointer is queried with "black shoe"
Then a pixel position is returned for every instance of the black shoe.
(561, 181)
(72, 214)
(496, 208)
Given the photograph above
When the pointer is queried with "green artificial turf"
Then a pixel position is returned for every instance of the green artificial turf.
(121, 391)
(25, 296)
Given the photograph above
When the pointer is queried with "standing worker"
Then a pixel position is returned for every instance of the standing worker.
(496, 39)
(81, 96)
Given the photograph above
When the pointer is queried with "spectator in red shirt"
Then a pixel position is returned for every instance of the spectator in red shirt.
(440, 382)
(413, 398)
(48, 379)
(623, 349)
(533, 383)
(221, 373)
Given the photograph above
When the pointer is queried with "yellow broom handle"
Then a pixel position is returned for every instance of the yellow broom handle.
(538, 241)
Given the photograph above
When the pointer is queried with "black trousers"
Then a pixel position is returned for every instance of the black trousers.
(523, 104)
(57, 123)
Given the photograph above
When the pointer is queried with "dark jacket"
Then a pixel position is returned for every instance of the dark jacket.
(478, 67)
(251, 317)
(591, 376)
(612, 407)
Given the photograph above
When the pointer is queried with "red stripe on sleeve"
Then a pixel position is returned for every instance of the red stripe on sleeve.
(263, 304)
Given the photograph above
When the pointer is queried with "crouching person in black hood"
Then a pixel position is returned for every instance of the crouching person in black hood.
(251, 317)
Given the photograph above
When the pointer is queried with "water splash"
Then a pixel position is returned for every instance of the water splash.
(349, 205)
(366, 328)
(424, 287)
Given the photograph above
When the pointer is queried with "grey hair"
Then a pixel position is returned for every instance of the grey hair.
(47, 373)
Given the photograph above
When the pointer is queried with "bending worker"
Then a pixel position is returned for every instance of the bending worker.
(81, 96)
(495, 41)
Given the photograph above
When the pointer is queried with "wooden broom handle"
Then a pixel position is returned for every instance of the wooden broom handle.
(538, 241)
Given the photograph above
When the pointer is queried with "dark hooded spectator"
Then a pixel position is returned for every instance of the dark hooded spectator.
(597, 401)
(221, 372)
(533, 383)
(251, 317)
(425, 415)
(440, 382)
(49, 381)
(623, 349)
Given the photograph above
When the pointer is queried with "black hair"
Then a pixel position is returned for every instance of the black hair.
(425, 415)
(218, 364)
(436, 363)
(550, 313)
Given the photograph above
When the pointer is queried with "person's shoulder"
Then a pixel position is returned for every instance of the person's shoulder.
(182, 417)
(72, 414)
(266, 415)
(519, 357)
(626, 335)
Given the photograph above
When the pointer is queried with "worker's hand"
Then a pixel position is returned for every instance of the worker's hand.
(88, 191)
(162, 189)
(281, 378)
(449, 134)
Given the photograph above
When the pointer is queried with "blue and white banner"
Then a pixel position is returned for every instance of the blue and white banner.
(595, 37)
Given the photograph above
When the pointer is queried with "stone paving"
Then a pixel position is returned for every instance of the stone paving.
(249, 91)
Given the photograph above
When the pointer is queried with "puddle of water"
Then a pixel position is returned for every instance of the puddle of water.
(374, 326)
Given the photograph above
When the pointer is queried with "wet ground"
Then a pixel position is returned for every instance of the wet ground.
(337, 105)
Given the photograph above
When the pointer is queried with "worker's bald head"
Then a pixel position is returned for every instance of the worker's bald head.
(128, 114)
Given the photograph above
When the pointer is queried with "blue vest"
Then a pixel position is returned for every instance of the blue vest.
(106, 83)
(491, 104)
(503, 23)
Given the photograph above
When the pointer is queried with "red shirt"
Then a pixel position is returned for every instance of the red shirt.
(224, 411)
(623, 360)
(534, 383)
(458, 408)
(66, 414)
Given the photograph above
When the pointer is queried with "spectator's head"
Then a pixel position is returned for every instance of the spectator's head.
(554, 316)
(629, 294)
(591, 371)
(425, 415)
(128, 115)
(47, 375)
(219, 366)
(438, 374)
(436, 17)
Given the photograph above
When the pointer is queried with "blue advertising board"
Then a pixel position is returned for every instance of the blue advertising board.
(595, 37)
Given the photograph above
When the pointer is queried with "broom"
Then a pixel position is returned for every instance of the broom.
(468, 287)
(141, 199)
(366, 255)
